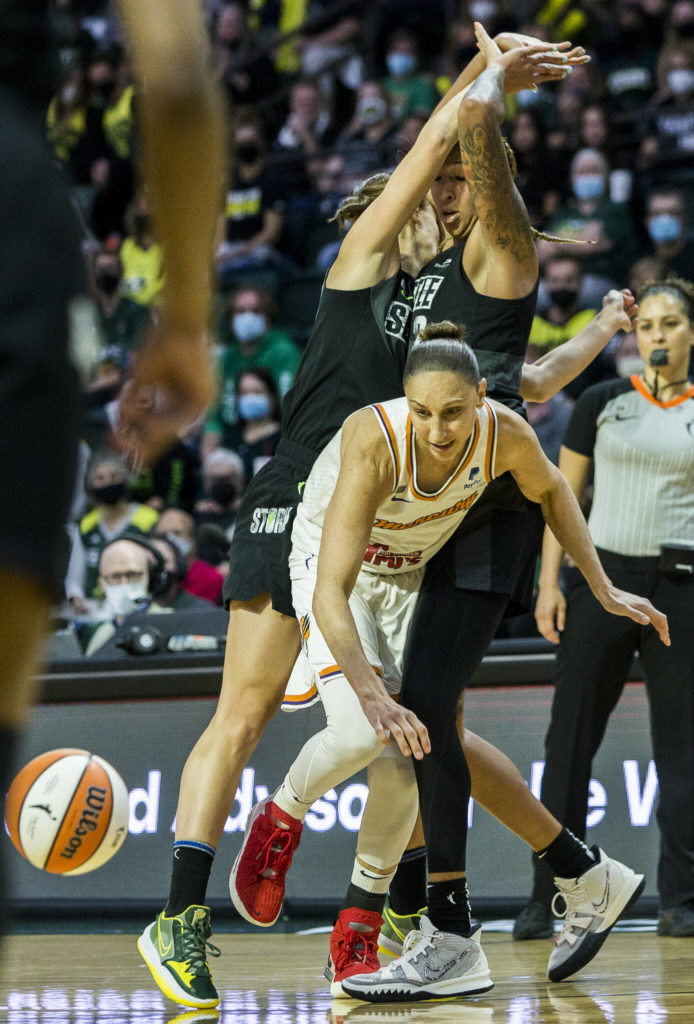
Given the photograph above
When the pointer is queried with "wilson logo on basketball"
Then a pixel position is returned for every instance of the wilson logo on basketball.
(89, 819)
(67, 811)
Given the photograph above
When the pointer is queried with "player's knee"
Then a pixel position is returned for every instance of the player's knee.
(241, 731)
(354, 741)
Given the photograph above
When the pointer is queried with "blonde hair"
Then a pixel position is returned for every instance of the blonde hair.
(353, 205)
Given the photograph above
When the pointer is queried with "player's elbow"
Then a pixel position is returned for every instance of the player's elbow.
(535, 386)
(475, 111)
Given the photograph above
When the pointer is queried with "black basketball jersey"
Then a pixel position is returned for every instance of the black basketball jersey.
(355, 356)
(495, 547)
(497, 329)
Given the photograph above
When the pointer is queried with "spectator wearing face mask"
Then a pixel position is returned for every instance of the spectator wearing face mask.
(366, 144)
(137, 581)
(666, 224)
(122, 325)
(201, 578)
(112, 513)
(248, 336)
(410, 92)
(223, 481)
(171, 594)
(592, 217)
(254, 213)
(101, 160)
(122, 321)
(258, 428)
(670, 139)
(564, 316)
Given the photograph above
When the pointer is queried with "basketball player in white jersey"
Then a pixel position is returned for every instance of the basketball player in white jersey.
(382, 498)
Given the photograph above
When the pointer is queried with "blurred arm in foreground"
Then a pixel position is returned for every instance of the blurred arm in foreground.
(182, 131)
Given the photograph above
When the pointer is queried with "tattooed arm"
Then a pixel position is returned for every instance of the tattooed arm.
(500, 257)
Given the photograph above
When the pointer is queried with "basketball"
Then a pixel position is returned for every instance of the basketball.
(67, 811)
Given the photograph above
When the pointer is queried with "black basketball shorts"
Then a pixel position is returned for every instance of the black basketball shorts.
(259, 553)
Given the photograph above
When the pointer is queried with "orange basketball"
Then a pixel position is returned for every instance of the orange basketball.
(67, 811)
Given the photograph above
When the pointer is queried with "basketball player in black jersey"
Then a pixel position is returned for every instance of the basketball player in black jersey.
(355, 356)
(43, 299)
(486, 279)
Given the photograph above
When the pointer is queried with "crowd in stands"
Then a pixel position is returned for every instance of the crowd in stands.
(325, 93)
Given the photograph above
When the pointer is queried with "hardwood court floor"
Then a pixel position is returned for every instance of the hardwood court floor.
(637, 978)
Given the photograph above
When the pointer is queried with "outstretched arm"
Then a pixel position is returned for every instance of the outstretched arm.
(542, 379)
(519, 453)
(365, 480)
(183, 142)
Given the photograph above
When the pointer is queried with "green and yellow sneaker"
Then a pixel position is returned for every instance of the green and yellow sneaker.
(395, 928)
(174, 949)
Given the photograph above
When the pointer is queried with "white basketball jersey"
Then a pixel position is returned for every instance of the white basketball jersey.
(411, 525)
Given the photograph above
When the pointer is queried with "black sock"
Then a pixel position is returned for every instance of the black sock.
(449, 907)
(567, 856)
(189, 876)
(407, 892)
(363, 900)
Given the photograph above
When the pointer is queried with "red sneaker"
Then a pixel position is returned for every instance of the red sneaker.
(353, 947)
(256, 882)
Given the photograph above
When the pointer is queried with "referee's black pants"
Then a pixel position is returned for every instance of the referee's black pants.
(593, 662)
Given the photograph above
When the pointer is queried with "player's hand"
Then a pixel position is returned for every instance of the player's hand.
(550, 612)
(525, 67)
(620, 602)
(390, 721)
(171, 384)
(575, 55)
(623, 307)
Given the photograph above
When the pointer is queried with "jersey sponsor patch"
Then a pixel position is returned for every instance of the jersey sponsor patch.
(380, 554)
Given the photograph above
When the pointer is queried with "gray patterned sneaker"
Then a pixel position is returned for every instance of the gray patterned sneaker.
(433, 965)
(594, 903)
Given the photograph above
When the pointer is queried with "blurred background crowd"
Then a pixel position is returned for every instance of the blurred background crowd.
(324, 93)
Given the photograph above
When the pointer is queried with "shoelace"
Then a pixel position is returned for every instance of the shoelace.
(355, 949)
(572, 898)
(412, 940)
(194, 942)
(278, 849)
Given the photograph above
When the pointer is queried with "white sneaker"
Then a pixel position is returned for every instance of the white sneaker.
(432, 963)
(594, 903)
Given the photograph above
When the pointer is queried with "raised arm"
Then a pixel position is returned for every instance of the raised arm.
(519, 453)
(365, 480)
(542, 379)
(369, 252)
(183, 142)
(500, 256)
